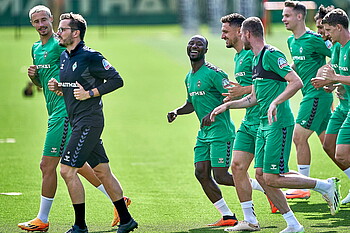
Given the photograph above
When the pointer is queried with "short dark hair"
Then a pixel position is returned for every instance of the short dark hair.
(233, 19)
(336, 16)
(322, 11)
(297, 6)
(254, 26)
(77, 22)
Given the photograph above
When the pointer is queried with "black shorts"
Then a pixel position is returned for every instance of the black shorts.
(84, 145)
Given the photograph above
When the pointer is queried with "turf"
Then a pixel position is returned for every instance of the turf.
(152, 159)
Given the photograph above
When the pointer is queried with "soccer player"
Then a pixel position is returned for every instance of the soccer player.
(45, 54)
(244, 145)
(85, 76)
(274, 83)
(308, 51)
(336, 25)
(212, 154)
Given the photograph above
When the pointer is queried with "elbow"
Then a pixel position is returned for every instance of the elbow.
(300, 84)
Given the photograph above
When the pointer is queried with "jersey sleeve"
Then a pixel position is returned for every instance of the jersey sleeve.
(100, 68)
(276, 62)
(320, 47)
(220, 80)
(188, 94)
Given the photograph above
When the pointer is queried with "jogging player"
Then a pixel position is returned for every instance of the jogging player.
(85, 76)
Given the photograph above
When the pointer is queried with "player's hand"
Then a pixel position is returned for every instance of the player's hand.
(329, 88)
(320, 82)
(340, 92)
(206, 120)
(235, 90)
(55, 87)
(32, 71)
(80, 93)
(327, 72)
(218, 110)
(171, 116)
(272, 113)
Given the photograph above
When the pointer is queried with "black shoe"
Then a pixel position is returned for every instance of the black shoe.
(127, 227)
(76, 229)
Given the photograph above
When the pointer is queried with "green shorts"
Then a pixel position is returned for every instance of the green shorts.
(337, 119)
(218, 152)
(273, 149)
(344, 132)
(314, 114)
(245, 138)
(57, 136)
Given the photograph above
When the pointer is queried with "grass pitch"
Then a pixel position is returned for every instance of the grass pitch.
(152, 159)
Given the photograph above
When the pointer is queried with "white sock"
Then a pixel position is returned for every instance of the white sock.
(304, 170)
(322, 186)
(291, 219)
(256, 185)
(347, 172)
(103, 190)
(248, 211)
(222, 207)
(45, 207)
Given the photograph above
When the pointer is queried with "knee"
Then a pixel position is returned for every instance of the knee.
(259, 177)
(271, 181)
(236, 167)
(341, 158)
(200, 174)
(100, 175)
(328, 147)
(67, 172)
(47, 168)
(219, 179)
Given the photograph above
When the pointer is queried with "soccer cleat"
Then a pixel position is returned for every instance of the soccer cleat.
(34, 225)
(224, 222)
(116, 219)
(76, 229)
(346, 200)
(297, 193)
(273, 207)
(128, 227)
(244, 226)
(332, 197)
(290, 229)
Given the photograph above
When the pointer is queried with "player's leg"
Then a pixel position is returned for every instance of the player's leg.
(55, 140)
(100, 163)
(221, 155)
(203, 174)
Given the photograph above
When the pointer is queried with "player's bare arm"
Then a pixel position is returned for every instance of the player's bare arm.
(329, 74)
(294, 84)
(187, 108)
(235, 90)
(33, 75)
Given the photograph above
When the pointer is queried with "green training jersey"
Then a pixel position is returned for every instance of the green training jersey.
(309, 53)
(343, 103)
(204, 91)
(269, 69)
(47, 59)
(344, 66)
(243, 75)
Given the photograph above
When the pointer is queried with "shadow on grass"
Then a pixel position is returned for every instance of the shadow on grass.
(112, 230)
(213, 229)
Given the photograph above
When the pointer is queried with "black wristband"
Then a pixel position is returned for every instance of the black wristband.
(91, 93)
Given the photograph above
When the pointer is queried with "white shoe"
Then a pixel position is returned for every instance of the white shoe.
(244, 226)
(332, 197)
(291, 229)
(346, 200)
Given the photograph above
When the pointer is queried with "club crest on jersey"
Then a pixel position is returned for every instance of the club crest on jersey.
(45, 54)
(199, 83)
(74, 66)
(240, 62)
(301, 50)
(106, 64)
(344, 57)
(225, 82)
(282, 62)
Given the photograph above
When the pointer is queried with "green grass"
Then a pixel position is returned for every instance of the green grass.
(152, 159)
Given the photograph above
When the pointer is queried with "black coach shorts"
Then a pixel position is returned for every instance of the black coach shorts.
(85, 145)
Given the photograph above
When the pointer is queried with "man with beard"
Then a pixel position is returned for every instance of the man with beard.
(85, 76)
(212, 153)
(45, 54)
(274, 83)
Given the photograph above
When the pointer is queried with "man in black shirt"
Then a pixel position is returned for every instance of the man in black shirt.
(85, 76)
